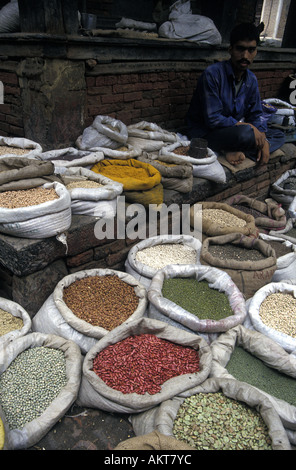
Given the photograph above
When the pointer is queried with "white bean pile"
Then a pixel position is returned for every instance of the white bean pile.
(222, 218)
(278, 311)
(159, 256)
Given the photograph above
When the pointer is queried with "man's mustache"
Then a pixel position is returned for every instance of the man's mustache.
(244, 60)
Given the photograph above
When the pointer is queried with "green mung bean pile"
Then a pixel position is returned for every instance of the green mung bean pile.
(30, 383)
(213, 421)
(246, 367)
(197, 298)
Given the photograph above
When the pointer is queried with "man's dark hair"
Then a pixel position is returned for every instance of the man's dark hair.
(244, 32)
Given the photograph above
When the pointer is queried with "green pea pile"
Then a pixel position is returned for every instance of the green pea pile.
(212, 421)
(30, 383)
(197, 298)
(246, 367)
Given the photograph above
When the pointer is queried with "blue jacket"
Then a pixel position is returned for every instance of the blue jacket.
(214, 104)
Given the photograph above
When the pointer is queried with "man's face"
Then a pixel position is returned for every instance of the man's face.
(242, 54)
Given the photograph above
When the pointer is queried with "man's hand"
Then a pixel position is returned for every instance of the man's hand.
(263, 154)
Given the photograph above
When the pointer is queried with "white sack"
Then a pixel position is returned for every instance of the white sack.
(10, 17)
(151, 131)
(34, 149)
(287, 342)
(162, 417)
(286, 264)
(54, 317)
(72, 157)
(265, 349)
(35, 430)
(44, 220)
(281, 195)
(216, 278)
(143, 272)
(98, 202)
(95, 393)
(17, 311)
(105, 131)
(208, 168)
(183, 24)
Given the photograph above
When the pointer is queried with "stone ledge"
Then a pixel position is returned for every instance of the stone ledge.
(23, 257)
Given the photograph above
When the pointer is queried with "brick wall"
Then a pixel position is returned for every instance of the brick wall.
(162, 97)
(11, 112)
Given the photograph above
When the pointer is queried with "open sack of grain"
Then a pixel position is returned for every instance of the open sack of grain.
(218, 414)
(250, 262)
(252, 357)
(140, 364)
(19, 146)
(284, 188)
(141, 181)
(272, 312)
(151, 254)
(218, 218)
(14, 321)
(71, 157)
(207, 167)
(268, 215)
(86, 305)
(175, 176)
(200, 298)
(285, 252)
(38, 212)
(40, 377)
(105, 131)
(91, 193)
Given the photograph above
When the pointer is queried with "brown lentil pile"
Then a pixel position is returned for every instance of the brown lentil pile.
(142, 363)
(278, 311)
(104, 301)
(222, 218)
(27, 197)
(235, 252)
(4, 149)
(213, 421)
(84, 184)
(9, 322)
(181, 150)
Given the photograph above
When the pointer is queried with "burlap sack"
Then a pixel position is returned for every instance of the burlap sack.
(153, 441)
(24, 173)
(273, 215)
(248, 275)
(212, 229)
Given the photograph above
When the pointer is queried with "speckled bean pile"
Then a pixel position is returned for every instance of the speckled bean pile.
(30, 384)
(7, 149)
(159, 256)
(212, 421)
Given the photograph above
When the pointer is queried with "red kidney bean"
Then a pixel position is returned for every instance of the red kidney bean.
(142, 363)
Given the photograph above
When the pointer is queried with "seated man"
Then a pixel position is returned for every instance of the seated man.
(226, 108)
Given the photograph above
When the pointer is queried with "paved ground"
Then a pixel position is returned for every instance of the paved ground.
(86, 429)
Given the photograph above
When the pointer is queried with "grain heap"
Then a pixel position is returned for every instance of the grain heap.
(27, 197)
(84, 184)
(7, 149)
(9, 322)
(222, 218)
